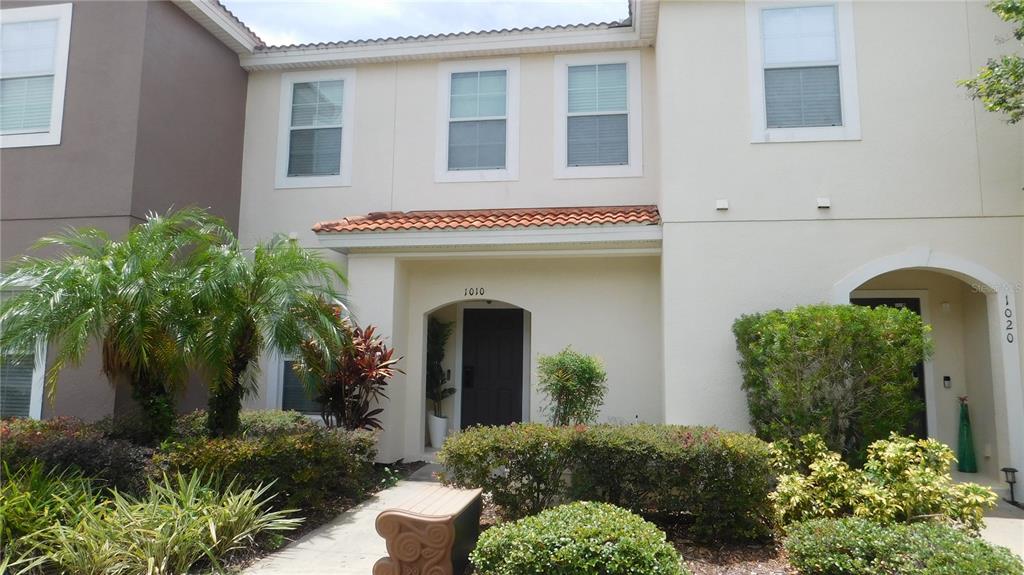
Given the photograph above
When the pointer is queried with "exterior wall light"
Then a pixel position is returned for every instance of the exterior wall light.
(1011, 477)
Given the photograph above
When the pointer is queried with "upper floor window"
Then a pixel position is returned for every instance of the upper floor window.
(478, 105)
(597, 114)
(34, 44)
(803, 72)
(315, 132)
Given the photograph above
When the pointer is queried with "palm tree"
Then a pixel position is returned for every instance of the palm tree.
(279, 298)
(130, 296)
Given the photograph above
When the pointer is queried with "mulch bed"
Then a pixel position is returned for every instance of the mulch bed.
(735, 559)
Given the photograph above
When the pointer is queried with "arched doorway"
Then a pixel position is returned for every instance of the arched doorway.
(973, 314)
(485, 361)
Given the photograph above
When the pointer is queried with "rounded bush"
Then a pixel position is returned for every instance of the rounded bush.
(856, 546)
(577, 539)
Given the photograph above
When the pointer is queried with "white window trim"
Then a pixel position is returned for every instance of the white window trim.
(444, 81)
(283, 180)
(61, 13)
(35, 398)
(634, 97)
(848, 92)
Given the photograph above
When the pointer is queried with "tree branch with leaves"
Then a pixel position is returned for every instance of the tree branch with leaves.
(1000, 83)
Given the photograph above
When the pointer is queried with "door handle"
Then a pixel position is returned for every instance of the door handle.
(467, 377)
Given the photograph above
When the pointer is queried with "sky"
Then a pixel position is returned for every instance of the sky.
(299, 21)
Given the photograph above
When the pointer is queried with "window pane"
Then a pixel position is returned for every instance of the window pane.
(27, 48)
(476, 145)
(802, 97)
(25, 104)
(16, 387)
(294, 395)
(794, 35)
(598, 88)
(478, 94)
(317, 103)
(315, 152)
(598, 140)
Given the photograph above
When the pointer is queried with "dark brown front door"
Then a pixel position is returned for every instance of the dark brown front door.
(919, 425)
(492, 366)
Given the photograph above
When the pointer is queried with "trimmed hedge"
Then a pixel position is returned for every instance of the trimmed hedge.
(577, 539)
(251, 424)
(855, 546)
(67, 444)
(717, 483)
(307, 469)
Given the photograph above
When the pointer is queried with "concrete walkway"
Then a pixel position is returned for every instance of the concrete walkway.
(1004, 526)
(349, 544)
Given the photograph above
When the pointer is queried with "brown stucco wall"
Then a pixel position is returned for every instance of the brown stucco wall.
(153, 118)
(191, 119)
(90, 173)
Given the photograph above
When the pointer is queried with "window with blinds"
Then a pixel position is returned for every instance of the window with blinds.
(16, 386)
(314, 145)
(801, 67)
(477, 120)
(597, 129)
(28, 54)
(294, 395)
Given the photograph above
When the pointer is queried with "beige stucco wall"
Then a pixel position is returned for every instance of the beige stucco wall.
(717, 272)
(394, 149)
(605, 306)
(926, 149)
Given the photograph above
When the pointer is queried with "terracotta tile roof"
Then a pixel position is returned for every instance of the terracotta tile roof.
(492, 219)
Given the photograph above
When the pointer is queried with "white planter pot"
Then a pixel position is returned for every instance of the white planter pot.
(438, 428)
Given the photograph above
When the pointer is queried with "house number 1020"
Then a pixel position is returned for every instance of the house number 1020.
(1008, 315)
(475, 291)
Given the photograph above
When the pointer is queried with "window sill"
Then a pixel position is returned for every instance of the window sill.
(825, 134)
(296, 182)
(581, 172)
(51, 138)
(505, 175)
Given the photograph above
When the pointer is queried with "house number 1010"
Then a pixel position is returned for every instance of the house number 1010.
(475, 291)
(1008, 315)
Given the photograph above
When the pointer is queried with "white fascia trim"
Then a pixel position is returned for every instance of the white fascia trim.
(444, 79)
(531, 236)
(210, 15)
(62, 14)
(634, 102)
(485, 45)
(348, 105)
(848, 91)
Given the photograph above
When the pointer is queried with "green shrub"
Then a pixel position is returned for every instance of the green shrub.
(574, 384)
(65, 443)
(904, 480)
(32, 498)
(577, 539)
(715, 483)
(308, 469)
(520, 465)
(856, 546)
(844, 372)
(181, 522)
(251, 423)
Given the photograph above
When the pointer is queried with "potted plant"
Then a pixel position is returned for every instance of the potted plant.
(438, 333)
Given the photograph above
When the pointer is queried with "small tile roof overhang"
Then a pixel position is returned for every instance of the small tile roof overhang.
(495, 227)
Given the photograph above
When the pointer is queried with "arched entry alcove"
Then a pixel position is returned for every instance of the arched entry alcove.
(487, 361)
(973, 313)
